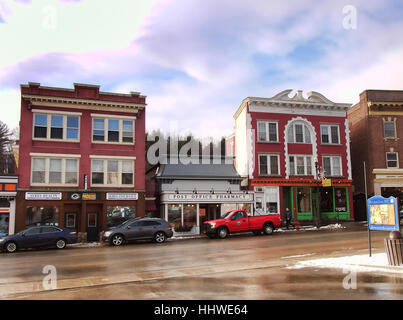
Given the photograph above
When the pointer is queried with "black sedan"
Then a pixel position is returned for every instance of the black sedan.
(42, 236)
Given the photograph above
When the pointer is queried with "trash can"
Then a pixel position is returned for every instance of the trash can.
(394, 248)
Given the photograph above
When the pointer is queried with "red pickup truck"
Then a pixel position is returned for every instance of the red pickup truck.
(239, 221)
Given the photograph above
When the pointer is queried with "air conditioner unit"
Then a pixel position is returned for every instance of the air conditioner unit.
(258, 189)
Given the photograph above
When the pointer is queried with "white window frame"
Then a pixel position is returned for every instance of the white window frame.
(267, 125)
(47, 170)
(120, 171)
(331, 165)
(49, 114)
(329, 130)
(268, 157)
(394, 127)
(304, 129)
(106, 129)
(305, 156)
(397, 160)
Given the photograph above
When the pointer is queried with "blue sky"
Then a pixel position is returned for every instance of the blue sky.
(196, 60)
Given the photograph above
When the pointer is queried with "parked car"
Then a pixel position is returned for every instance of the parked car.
(239, 221)
(41, 236)
(138, 229)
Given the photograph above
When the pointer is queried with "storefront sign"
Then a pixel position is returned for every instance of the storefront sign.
(84, 196)
(208, 197)
(382, 214)
(326, 182)
(43, 196)
(122, 196)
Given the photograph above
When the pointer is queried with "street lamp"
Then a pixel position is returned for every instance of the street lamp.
(317, 211)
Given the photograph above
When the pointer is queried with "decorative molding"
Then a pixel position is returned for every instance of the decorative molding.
(112, 157)
(54, 155)
(349, 166)
(251, 143)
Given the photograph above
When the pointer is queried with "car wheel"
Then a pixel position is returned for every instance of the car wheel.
(61, 244)
(11, 247)
(268, 228)
(117, 240)
(222, 233)
(160, 237)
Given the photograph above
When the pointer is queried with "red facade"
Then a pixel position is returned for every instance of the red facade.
(59, 133)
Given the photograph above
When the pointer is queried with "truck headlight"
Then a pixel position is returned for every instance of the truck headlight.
(212, 224)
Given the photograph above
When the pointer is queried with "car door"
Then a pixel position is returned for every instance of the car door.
(150, 228)
(30, 238)
(238, 222)
(134, 230)
(49, 235)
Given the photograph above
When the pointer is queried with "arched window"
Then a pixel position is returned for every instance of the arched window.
(298, 133)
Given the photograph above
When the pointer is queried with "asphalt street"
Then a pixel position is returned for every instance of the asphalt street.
(240, 267)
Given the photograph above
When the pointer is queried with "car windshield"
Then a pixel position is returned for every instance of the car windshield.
(226, 215)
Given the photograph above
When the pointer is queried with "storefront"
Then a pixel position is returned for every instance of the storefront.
(303, 199)
(88, 213)
(194, 193)
(8, 192)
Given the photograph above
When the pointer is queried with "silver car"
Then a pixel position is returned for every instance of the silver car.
(138, 229)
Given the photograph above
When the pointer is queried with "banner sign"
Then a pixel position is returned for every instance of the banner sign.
(326, 182)
(122, 196)
(84, 196)
(43, 196)
(208, 197)
(383, 214)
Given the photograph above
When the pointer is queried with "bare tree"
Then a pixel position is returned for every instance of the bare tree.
(7, 161)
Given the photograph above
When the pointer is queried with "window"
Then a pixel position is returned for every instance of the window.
(340, 199)
(50, 230)
(268, 164)
(112, 172)
(389, 129)
(32, 231)
(267, 131)
(116, 215)
(112, 130)
(392, 160)
(332, 166)
(300, 165)
(303, 200)
(42, 216)
(54, 171)
(326, 200)
(298, 133)
(329, 134)
(56, 127)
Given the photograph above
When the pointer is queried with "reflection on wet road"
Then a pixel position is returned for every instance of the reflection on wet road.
(241, 267)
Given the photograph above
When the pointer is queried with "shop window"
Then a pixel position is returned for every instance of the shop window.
(174, 215)
(340, 199)
(244, 206)
(272, 207)
(326, 200)
(42, 216)
(303, 200)
(189, 217)
(4, 223)
(116, 215)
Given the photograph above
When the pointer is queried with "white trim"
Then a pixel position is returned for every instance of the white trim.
(112, 116)
(62, 172)
(57, 112)
(347, 132)
(93, 156)
(106, 130)
(331, 165)
(54, 155)
(397, 160)
(294, 109)
(267, 131)
(119, 172)
(268, 157)
(305, 165)
(329, 130)
(49, 127)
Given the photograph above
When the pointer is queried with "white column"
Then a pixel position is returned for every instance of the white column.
(11, 218)
(166, 211)
(198, 215)
(182, 214)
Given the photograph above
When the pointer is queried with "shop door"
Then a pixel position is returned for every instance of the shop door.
(92, 226)
(70, 220)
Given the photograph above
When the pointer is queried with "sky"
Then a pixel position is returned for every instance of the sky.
(196, 60)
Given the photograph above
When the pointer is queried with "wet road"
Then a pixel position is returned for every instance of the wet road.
(240, 267)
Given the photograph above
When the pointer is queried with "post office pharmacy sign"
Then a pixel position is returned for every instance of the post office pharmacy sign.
(43, 196)
(208, 197)
(382, 214)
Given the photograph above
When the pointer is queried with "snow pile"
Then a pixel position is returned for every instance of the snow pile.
(86, 245)
(377, 262)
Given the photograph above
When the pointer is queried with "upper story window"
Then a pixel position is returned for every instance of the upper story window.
(389, 130)
(332, 166)
(267, 131)
(113, 130)
(298, 133)
(269, 164)
(392, 160)
(112, 172)
(300, 165)
(54, 171)
(329, 134)
(62, 127)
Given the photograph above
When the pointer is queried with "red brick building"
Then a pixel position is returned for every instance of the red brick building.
(376, 126)
(285, 146)
(81, 158)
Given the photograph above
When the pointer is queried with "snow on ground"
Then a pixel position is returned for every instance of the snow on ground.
(313, 228)
(85, 245)
(377, 262)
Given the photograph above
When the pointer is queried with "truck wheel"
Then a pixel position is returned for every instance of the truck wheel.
(222, 232)
(268, 228)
